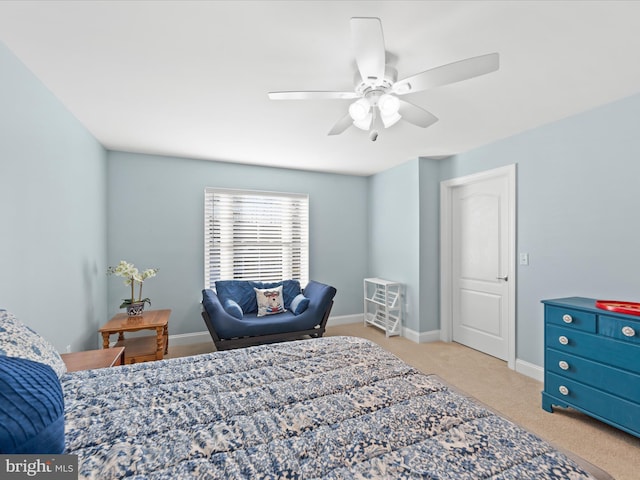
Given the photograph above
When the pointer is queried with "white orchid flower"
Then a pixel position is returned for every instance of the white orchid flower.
(131, 275)
(149, 273)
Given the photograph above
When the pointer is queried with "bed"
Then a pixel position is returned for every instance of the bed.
(333, 408)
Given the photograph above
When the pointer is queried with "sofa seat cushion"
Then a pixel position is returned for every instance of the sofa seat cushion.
(252, 325)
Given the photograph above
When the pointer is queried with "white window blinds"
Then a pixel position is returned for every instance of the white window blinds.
(250, 235)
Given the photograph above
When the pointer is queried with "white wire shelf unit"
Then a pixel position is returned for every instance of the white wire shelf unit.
(383, 305)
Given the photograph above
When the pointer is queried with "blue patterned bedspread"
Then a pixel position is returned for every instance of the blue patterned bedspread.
(333, 407)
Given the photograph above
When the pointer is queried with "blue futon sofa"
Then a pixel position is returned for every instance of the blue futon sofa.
(231, 312)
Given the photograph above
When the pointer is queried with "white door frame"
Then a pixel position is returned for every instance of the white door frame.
(446, 294)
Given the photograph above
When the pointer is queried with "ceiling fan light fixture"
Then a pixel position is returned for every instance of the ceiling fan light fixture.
(390, 120)
(364, 123)
(359, 110)
(388, 105)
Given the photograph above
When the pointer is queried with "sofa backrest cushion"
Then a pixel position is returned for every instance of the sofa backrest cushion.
(243, 293)
(239, 291)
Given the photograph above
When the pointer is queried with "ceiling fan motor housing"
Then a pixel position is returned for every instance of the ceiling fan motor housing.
(373, 86)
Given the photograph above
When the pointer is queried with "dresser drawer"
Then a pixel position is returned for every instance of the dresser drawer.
(571, 318)
(621, 413)
(620, 328)
(597, 348)
(612, 380)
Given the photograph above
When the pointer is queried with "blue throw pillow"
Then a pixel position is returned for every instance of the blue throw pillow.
(232, 308)
(299, 304)
(32, 408)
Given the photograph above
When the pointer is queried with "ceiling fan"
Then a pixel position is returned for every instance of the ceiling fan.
(377, 89)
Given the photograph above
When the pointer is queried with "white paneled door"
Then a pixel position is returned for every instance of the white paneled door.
(481, 266)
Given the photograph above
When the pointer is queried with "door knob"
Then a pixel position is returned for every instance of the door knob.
(505, 278)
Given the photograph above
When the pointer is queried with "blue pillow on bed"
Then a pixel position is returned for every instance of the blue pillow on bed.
(31, 409)
(299, 304)
(232, 308)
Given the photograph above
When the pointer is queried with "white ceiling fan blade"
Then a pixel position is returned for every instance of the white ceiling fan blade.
(368, 44)
(450, 73)
(312, 95)
(342, 124)
(416, 115)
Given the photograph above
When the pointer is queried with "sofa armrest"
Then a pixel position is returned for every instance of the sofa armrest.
(218, 321)
(320, 299)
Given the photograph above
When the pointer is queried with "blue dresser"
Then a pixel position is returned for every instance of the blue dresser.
(592, 361)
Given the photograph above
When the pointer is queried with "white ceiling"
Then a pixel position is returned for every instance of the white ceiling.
(190, 79)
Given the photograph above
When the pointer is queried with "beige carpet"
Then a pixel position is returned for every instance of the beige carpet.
(514, 395)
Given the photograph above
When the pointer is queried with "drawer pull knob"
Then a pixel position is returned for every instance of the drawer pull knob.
(566, 318)
(563, 390)
(628, 331)
(563, 365)
(563, 340)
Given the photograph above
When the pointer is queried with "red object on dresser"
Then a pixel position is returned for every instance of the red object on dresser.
(630, 308)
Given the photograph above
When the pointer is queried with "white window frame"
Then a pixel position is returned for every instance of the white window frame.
(255, 235)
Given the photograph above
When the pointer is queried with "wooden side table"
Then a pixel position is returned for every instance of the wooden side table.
(139, 349)
(90, 359)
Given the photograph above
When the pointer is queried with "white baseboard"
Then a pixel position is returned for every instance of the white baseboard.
(530, 370)
(345, 319)
(432, 336)
(189, 338)
(417, 337)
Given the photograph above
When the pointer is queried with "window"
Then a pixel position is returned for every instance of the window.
(250, 235)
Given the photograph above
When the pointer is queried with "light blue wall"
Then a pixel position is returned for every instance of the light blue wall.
(394, 233)
(578, 197)
(404, 237)
(429, 245)
(52, 213)
(156, 219)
